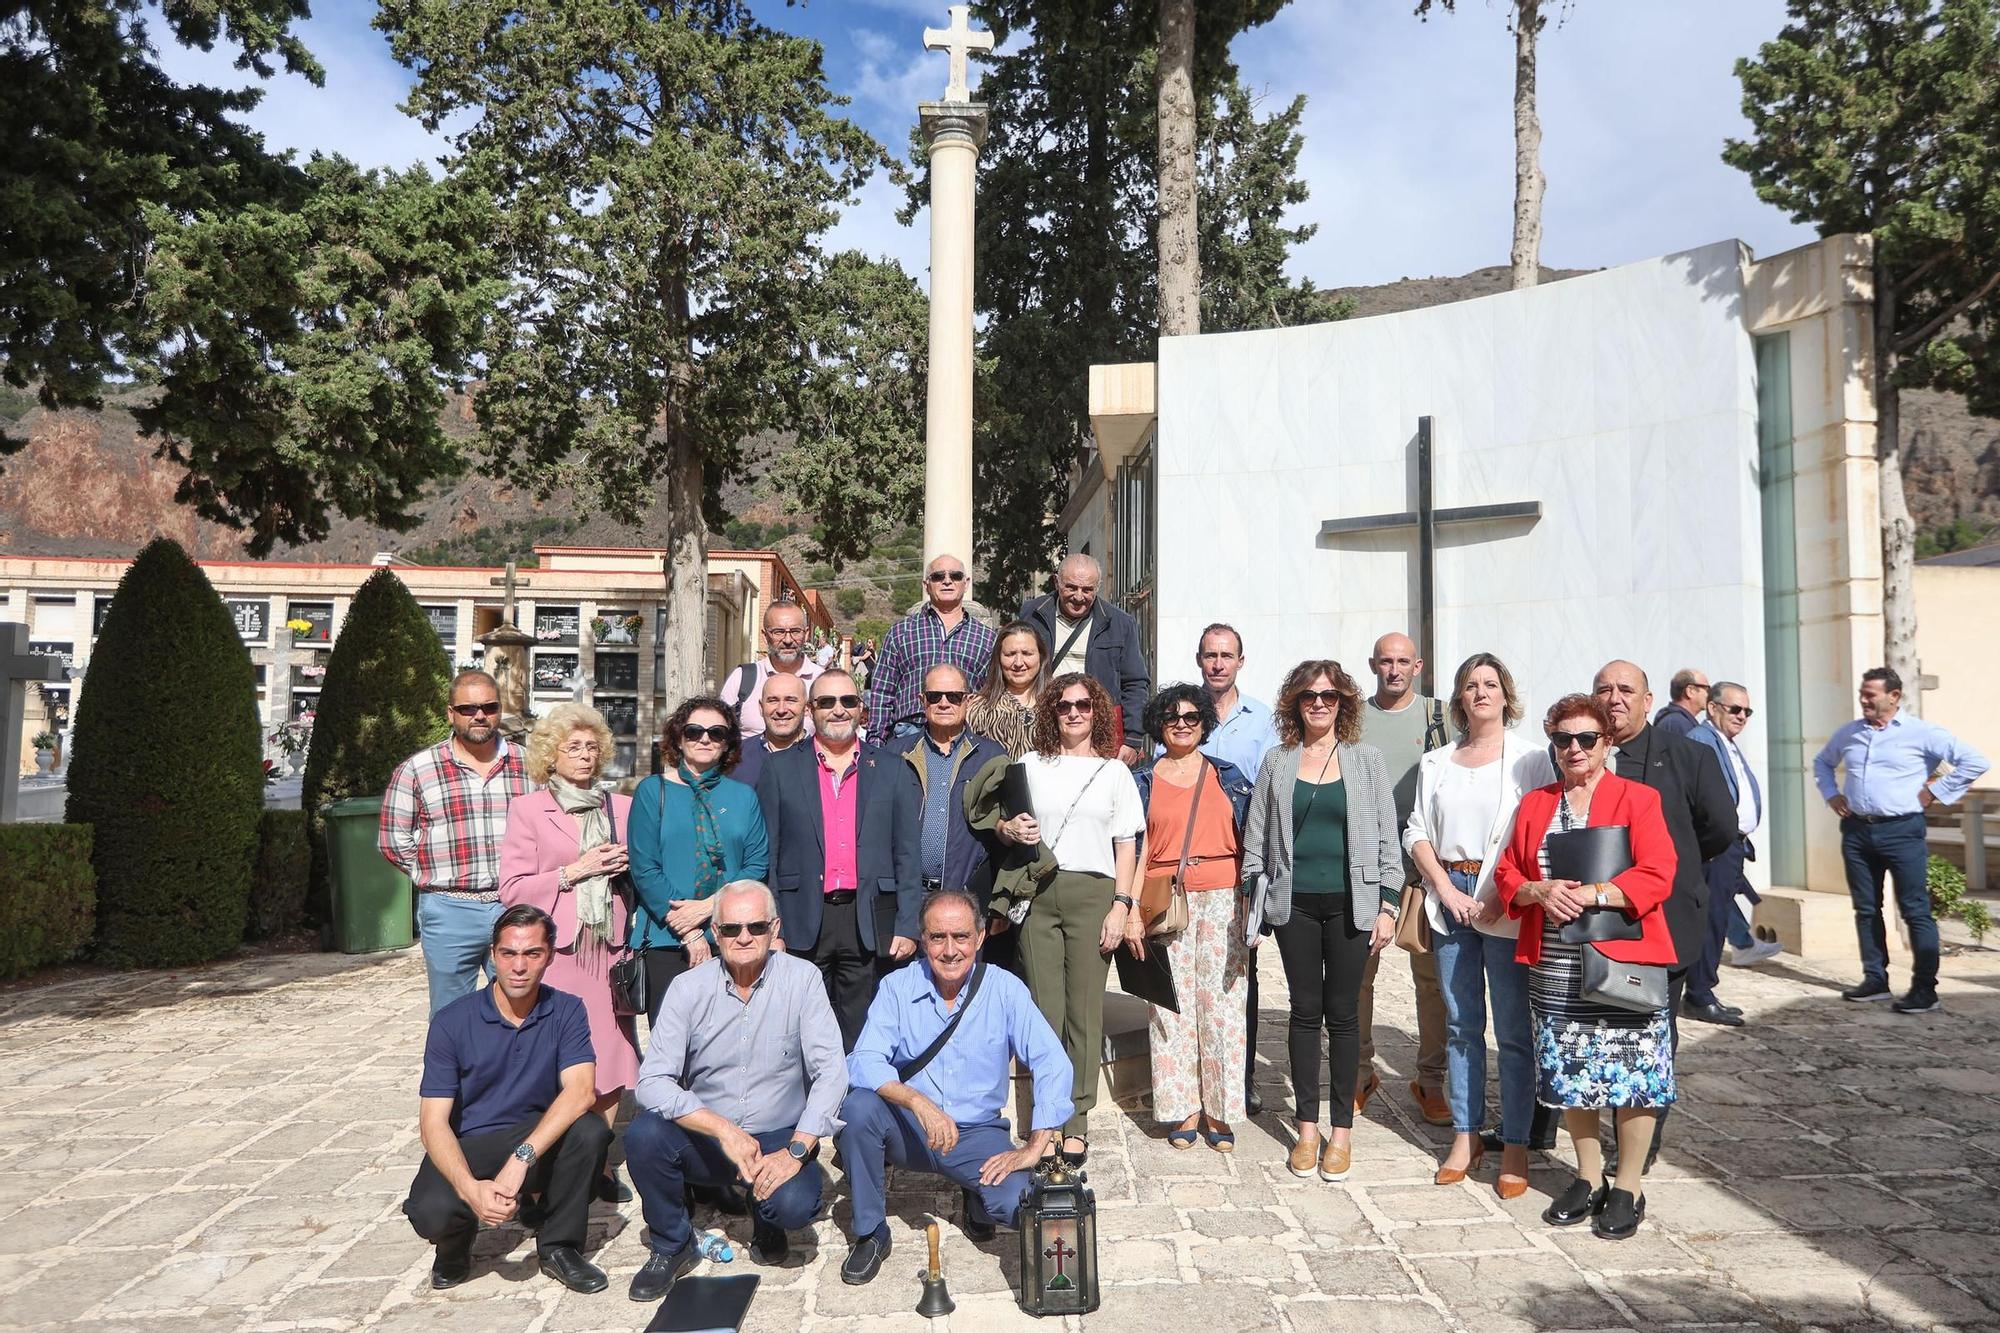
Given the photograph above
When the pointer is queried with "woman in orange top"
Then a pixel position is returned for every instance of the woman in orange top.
(1590, 1055)
(1197, 1053)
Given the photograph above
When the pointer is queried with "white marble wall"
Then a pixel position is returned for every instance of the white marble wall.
(1624, 401)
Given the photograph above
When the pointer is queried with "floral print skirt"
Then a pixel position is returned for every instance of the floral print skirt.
(1593, 1055)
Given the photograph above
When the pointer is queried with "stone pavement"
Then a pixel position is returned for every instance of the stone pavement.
(227, 1148)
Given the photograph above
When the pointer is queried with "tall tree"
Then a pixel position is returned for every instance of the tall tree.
(1526, 21)
(1180, 256)
(659, 175)
(1883, 117)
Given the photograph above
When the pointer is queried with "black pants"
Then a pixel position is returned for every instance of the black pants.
(849, 969)
(1725, 881)
(1324, 957)
(564, 1177)
(662, 966)
(1250, 1029)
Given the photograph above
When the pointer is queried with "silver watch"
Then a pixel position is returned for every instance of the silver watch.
(526, 1152)
(1600, 895)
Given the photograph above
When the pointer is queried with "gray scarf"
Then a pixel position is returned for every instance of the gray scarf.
(593, 893)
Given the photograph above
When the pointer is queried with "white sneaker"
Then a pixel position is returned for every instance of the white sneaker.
(1755, 954)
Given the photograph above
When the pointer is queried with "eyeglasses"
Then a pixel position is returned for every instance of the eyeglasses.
(719, 734)
(1331, 698)
(1588, 740)
(783, 633)
(476, 710)
(729, 930)
(944, 696)
(837, 700)
(1064, 707)
(946, 576)
(580, 749)
(1184, 720)
(1737, 710)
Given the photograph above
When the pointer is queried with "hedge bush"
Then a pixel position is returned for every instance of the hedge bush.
(388, 682)
(278, 883)
(48, 895)
(168, 768)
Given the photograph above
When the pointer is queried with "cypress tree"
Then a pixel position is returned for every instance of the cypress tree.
(167, 768)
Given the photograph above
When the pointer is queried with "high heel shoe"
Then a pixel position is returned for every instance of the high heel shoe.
(1451, 1175)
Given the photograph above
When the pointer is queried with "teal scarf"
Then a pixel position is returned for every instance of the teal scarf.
(709, 859)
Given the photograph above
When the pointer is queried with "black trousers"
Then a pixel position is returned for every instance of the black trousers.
(1324, 957)
(1725, 881)
(662, 966)
(1250, 1028)
(850, 970)
(564, 1176)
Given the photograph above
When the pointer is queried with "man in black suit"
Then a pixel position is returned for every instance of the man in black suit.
(844, 820)
(1083, 632)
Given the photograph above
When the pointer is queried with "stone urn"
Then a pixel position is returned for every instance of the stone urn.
(45, 761)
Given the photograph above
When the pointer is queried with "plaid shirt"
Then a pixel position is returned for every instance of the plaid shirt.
(442, 823)
(914, 645)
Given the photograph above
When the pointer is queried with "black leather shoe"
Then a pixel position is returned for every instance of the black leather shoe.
(978, 1226)
(1711, 1013)
(610, 1189)
(1736, 1009)
(864, 1258)
(451, 1266)
(566, 1266)
(1578, 1203)
(656, 1277)
(769, 1245)
(1620, 1216)
(1253, 1101)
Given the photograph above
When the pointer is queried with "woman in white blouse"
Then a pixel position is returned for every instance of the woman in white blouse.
(1466, 795)
(1086, 807)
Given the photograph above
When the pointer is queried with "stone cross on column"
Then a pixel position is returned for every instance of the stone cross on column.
(18, 666)
(960, 40)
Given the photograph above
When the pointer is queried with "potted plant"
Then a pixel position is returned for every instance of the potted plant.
(293, 739)
(600, 628)
(45, 752)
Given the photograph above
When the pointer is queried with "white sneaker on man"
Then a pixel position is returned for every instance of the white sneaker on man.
(1755, 954)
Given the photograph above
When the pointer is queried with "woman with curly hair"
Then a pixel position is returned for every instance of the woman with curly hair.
(1322, 830)
(1085, 807)
(693, 831)
(563, 852)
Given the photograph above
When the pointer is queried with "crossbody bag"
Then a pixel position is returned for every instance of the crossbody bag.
(910, 1068)
(1163, 901)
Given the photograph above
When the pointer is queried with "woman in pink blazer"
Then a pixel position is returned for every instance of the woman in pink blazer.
(562, 852)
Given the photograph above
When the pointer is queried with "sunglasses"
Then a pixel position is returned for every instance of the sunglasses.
(1331, 698)
(692, 732)
(476, 710)
(729, 930)
(944, 696)
(1184, 720)
(946, 576)
(838, 700)
(1588, 740)
(1737, 710)
(1064, 707)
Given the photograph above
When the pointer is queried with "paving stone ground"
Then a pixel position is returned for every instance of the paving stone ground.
(227, 1149)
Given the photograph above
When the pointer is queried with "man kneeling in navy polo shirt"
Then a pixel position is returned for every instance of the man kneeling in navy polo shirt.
(509, 1080)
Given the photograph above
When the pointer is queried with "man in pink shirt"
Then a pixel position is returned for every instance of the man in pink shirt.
(844, 822)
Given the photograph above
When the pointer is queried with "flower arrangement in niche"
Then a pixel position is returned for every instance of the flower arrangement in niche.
(300, 627)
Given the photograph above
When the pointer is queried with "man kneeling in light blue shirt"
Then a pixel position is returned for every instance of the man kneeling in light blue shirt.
(943, 1114)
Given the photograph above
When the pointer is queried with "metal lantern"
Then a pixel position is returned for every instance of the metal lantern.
(1058, 1243)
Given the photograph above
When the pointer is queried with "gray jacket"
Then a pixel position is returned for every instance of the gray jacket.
(1374, 851)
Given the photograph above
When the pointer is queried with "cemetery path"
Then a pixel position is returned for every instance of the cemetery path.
(227, 1148)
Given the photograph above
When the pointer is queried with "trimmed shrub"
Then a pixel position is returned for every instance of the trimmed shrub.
(48, 895)
(278, 883)
(388, 683)
(168, 768)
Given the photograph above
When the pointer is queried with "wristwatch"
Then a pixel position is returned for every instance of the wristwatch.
(1124, 898)
(526, 1152)
(1600, 895)
(798, 1150)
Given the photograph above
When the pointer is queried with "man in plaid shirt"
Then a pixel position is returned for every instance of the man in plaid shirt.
(937, 633)
(442, 821)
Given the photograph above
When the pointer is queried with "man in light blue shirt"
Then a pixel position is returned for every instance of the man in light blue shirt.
(943, 1115)
(1887, 785)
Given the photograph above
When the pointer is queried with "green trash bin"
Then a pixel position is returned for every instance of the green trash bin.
(373, 903)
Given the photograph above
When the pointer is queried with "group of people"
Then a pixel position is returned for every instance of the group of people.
(841, 923)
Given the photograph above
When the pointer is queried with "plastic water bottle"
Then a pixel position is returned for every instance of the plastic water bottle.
(714, 1246)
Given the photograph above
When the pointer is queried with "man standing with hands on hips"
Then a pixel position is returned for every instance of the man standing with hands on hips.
(1888, 760)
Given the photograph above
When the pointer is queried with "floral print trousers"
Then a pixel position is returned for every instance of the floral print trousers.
(1198, 1052)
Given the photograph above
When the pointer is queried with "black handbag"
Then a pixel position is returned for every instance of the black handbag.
(1640, 987)
(629, 996)
(1594, 925)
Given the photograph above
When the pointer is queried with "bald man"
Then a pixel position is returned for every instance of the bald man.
(1090, 635)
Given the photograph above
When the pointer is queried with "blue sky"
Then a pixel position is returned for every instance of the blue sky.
(1409, 129)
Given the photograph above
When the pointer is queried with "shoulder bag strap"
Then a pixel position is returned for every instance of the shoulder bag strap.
(746, 678)
(1070, 813)
(909, 1069)
(1070, 642)
(1187, 835)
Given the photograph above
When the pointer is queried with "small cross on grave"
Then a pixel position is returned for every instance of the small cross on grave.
(1426, 519)
(18, 666)
(509, 582)
(960, 40)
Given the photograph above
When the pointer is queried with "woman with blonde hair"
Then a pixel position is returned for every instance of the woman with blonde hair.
(564, 852)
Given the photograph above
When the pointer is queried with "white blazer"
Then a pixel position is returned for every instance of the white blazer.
(1524, 767)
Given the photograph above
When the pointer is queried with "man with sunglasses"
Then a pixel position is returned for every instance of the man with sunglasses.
(744, 1075)
(784, 654)
(945, 757)
(844, 820)
(443, 818)
(939, 631)
(1728, 713)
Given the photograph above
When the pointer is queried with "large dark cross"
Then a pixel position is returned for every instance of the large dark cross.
(1426, 519)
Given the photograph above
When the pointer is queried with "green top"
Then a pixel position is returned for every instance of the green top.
(1319, 839)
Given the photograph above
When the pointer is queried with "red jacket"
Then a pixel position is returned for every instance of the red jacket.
(1646, 885)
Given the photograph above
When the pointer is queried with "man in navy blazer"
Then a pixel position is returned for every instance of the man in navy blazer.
(1728, 713)
(844, 821)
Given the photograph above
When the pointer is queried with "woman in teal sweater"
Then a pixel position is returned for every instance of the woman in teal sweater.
(693, 831)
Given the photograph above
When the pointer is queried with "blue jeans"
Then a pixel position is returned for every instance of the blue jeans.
(1894, 846)
(457, 935)
(664, 1158)
(1472, 965)
(877, 1133)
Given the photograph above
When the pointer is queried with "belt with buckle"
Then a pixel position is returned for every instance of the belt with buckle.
(932, 885)
(1883, 819)
(1464, 867)
(839, 897)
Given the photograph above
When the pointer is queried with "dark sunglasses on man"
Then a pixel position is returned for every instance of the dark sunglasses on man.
(839, 700)
(946, 576)
(729, 930)
(944, 696)
(476, 710)
(1737, 710)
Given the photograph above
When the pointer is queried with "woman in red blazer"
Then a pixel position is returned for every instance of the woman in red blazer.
(1589, 1055)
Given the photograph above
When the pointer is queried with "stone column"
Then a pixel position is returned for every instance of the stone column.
(954, 132)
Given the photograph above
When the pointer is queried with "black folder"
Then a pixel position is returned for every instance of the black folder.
(705, 1305)
(1150, 978)
(1590, 855)
(1014, 796)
